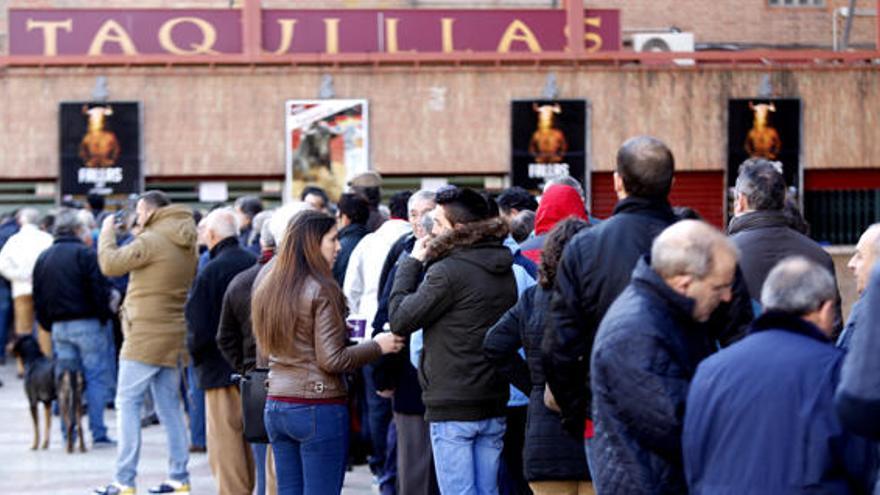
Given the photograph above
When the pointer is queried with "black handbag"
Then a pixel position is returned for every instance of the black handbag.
(253, 403)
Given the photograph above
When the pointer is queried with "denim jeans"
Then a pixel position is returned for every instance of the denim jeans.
(5, 315)
(259, 451)
(82, 344)
(196, 409)
(310, 444)
(164, 382)
(378, 419)
(467, 455)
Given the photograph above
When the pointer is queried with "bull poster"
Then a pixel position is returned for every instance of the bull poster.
(100, 148)
(327, 144)
(549, 139)
(765, 128)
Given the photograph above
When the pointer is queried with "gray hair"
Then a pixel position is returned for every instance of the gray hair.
(688, 247)
(87, 219)
(259, 220)
(223, 222)
(420, 195)
(267, 240)
(566, 180)
(282, 216)
(797, 286)
(762, 183)
(28, 216)
(67, 223)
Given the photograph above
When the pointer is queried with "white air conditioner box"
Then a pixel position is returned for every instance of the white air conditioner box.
(665, 42)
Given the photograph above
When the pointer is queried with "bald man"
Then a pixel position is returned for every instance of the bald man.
(646, 352)
(861, 264)
(229, 455)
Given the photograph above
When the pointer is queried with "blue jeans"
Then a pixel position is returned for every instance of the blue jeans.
(259, 451)
(82, 344)
(467, 455)
(310, 444)
(164, 382)
(196, 409)
(378, 419)
(5, 315)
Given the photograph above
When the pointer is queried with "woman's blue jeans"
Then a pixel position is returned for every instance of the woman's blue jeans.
(310, 444)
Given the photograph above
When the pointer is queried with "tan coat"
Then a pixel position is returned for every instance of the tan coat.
(162, 262)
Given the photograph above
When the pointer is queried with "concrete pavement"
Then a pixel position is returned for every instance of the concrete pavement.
(54, 472)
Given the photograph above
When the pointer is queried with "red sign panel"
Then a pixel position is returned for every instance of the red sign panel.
(210, 32)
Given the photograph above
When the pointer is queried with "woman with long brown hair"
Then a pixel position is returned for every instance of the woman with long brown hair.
(298, 315)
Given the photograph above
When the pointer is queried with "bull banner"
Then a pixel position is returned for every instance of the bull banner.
(549, 139)
(765, 128)
(327, 143)
(100, 148)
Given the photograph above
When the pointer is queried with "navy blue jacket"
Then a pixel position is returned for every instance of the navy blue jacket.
(858, 396)
(203, 309)
(349, 237)
(550, 454)
(68, 285)
(645, 355)
(760, 417)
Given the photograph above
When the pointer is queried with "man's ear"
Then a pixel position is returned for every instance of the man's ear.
(619, 188)
(680, 283)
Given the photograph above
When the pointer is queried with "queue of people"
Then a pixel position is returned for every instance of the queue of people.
(460, 343)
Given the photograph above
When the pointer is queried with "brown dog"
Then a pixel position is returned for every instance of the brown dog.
(70, 389)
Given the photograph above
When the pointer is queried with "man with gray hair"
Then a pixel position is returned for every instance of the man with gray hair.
(17, 259)
(229, 455)
(760, 414)
(861, 264)
(72, 299)
(761, 230)
(646, 352)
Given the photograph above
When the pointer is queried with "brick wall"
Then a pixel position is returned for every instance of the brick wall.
(229, 121)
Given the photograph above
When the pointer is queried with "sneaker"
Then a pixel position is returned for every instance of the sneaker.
(103, 443)
(171, 486)
(114, 489)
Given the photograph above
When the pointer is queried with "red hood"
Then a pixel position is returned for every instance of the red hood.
(558, 203)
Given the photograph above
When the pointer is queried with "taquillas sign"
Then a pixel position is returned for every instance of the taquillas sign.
(98, 32)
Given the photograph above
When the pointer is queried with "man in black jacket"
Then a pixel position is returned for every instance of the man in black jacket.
(468, 285)
(228, 453)
(595, 268)
(72, 298)
(645, 354)
(761, 230)
(354, 211)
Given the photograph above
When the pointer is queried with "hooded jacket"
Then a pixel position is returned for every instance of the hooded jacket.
(468, 285)
(162, 263)
(558, 203)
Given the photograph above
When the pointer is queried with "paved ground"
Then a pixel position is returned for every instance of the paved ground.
(55, 472)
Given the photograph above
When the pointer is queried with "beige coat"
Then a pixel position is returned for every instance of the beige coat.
(162, 262)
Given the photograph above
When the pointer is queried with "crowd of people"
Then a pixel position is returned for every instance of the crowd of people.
(513, 344)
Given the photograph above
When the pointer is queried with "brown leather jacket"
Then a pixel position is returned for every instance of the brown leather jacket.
(312, 366)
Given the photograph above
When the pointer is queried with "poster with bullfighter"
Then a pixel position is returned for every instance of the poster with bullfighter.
(100, 148)
(769, 129)
(327, 143)
(548, 139)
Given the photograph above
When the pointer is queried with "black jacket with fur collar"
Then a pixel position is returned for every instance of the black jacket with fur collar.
(468, 285)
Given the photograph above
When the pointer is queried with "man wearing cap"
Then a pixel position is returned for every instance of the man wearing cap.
(369, 185)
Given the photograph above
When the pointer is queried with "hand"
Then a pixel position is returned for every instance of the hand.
(420, 250)
(549, 400)
(109, 222)
(389, 342)
(385, 394)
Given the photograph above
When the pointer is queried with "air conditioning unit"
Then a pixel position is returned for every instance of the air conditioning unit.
(665, 42)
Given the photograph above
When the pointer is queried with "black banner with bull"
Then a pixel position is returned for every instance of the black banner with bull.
(100, 148)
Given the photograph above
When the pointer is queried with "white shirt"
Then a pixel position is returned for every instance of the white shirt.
(361, 286)
(19, 255)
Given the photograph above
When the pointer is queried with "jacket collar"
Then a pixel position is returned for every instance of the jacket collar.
(645, 276)
(492, 231)
(757, 220)
(777, 320)
(658, 208)
(68, 239)
(223, 245)
(353, 228)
